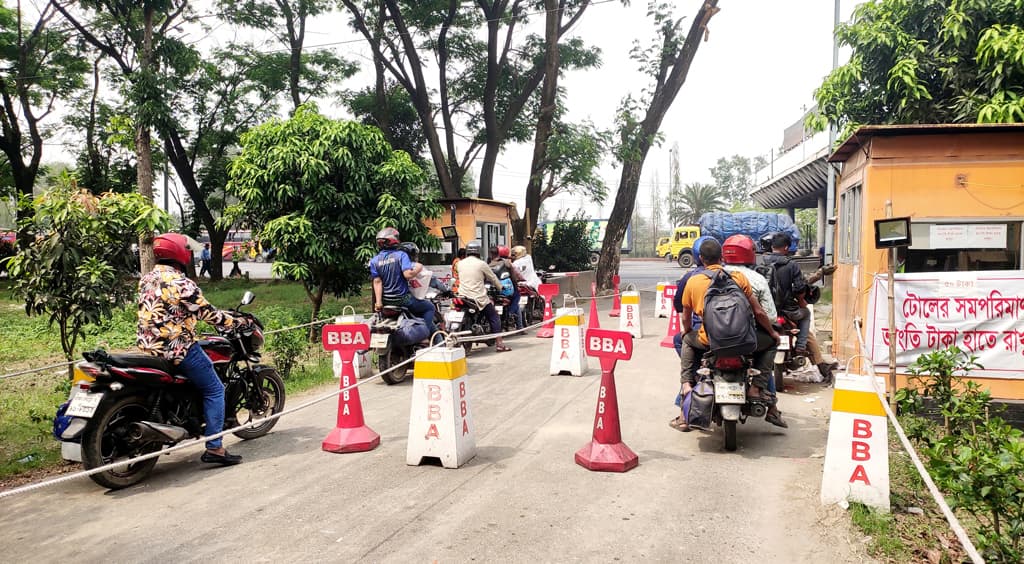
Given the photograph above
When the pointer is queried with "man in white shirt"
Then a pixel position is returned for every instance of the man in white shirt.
(524, 264)
(473, 273)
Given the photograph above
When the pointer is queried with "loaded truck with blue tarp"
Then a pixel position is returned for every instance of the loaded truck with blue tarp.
(722, 225)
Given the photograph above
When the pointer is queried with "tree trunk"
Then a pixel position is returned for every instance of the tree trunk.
(664, 94)
(143, 143)
(493, 136)
(176, 154)
(545, 118)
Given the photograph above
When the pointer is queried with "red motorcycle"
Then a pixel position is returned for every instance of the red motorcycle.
(138, 403)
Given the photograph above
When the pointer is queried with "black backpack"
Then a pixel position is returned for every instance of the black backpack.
(728, 319)
(781, 296)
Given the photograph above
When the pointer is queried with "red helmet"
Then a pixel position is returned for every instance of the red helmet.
(172, 247)
(387, 238)
(738, 249)
(504, 252)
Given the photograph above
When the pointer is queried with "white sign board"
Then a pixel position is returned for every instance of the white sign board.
(974, 236)
(948, 236)
(979, 312)
(986, 236)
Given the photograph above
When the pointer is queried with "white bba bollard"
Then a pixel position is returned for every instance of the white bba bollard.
(440, 421)
(567, 347)
(630, 319)
(662, 303)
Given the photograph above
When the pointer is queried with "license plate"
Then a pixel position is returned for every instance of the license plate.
(730, 392)
(499, 309)
(379, 341)
(455, 316)
(523, 300)
(84, 405)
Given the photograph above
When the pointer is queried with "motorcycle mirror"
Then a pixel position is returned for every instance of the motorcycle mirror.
(247, 298)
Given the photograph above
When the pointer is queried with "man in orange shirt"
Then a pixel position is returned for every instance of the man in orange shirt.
(696, 342)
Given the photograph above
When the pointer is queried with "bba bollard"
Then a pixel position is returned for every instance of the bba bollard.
(440, 421)
(351, 433)
(606, 451)
(567, 346)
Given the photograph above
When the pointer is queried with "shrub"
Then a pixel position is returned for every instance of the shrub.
(569, 246)
(286, 346)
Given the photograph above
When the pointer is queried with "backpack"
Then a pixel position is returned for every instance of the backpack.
(769, 271)
(785, 302)
(699, 404)
(728, 319)
(411, 330)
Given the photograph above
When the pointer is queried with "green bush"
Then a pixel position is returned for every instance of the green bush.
(285, 346)
(569, 246)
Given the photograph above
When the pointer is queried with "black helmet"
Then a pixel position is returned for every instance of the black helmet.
(473, 248)
(410, 249)
(387, 238)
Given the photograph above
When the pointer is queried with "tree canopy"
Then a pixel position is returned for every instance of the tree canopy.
(922, 61)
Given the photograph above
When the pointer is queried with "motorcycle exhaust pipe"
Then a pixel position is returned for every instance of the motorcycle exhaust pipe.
(151, 432)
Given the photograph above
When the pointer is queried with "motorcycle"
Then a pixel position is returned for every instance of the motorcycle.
(391, 351)
(786, 359)
(731, 378)
(133, 404)
(531, 304)
(467, 317)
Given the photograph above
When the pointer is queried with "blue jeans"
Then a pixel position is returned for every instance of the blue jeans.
(492, 317)
(196, 366)
(514, 311)
(422, 309)
(805, 327)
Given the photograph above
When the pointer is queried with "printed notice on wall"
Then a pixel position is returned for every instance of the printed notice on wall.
(948, 236)
(986, 236)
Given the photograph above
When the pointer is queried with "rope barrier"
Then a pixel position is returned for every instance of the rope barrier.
(194, 442)
(34, 370)
(954, 523)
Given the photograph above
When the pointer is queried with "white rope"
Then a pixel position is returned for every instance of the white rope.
(200, 440)
(954, 523)
(489, 336)
(33, 370)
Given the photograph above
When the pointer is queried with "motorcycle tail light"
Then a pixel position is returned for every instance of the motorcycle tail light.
(729, 363)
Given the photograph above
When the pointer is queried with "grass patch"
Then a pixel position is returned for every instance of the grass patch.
(900, 536)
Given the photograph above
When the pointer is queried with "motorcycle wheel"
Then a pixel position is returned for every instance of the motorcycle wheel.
(730, 435)
(386, 361)
(779, 374)
(107, 441)
(264, 402)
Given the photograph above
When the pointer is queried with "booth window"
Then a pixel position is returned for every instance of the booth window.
(849, 225)
(962, 247)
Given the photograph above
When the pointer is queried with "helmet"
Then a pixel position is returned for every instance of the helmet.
(473, 248)
(696, 249)
(172, 247)
(410, 249)
(504, 252)
(387, 238)
(518, 252)
(738, 249)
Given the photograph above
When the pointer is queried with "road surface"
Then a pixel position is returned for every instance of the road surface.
(522, 498)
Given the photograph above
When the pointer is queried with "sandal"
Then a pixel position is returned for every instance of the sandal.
(502, 348)
(679, 425)
(775, 418)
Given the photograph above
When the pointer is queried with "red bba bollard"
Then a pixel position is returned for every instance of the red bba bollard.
(673, 319)
(606, 452)
(548, 292)
(351, 433)
(616, 302)
(594, 322)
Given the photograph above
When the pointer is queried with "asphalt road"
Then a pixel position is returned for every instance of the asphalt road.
(522, 498)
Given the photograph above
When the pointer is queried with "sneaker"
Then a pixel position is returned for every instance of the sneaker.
(775, 418)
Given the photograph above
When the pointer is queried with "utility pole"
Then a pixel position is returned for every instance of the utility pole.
(830, 192)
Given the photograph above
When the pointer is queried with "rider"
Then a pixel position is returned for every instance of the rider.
(391, 271)
(170, 305)
(738, 256)
(523, 262)
(677, 301)
(473, 272)
(500, 264)
(696, 342)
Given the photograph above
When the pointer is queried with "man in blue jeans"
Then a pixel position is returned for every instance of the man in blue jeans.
(170, 306)
(391, 271)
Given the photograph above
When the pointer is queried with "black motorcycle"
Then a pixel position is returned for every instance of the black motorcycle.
(388, 348)
(138, 403)
(467, 317)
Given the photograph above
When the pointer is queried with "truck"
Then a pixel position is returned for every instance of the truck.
(597, 229)
(721, 226)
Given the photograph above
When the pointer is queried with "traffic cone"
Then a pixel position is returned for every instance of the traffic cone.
(351, 433)
(606, 451)
(616, 302)
(548, 292)
(594, 320)
(673, 328)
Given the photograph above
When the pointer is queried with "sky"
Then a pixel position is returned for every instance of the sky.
(753, 77)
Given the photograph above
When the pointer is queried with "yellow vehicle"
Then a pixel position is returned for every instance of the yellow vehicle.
(664, 248)
(680, 248)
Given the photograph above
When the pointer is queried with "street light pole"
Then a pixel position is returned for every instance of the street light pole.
(830, 193)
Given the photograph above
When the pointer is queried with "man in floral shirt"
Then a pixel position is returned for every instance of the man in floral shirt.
(170, 306)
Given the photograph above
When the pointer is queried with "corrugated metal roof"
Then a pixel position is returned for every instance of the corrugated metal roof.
(864, 133)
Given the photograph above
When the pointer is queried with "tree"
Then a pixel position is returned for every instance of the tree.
(569, 244)
(40, 66)
(699, 199)
(667, 62)
(308, 74)
(135, 35)
(920, 61)
(486, 99)
(300, 179)
(78, 268)
(391, 110)
(734, 178)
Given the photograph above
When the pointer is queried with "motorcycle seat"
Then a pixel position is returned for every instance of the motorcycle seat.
(133, 360)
